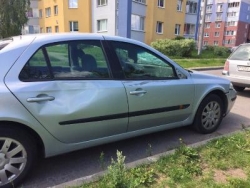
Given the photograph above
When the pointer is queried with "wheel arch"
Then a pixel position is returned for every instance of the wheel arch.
(30, 131)
(223, 98)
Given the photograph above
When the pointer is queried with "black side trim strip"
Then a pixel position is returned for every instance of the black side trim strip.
(125, 115)
(158, 110)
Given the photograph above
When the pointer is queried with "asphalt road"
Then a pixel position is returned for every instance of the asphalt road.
(60, 169)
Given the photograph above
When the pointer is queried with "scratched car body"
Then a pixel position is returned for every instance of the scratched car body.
(64, 92)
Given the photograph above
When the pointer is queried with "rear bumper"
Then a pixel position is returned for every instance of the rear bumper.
(237, 80)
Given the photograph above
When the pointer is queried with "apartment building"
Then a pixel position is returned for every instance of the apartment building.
(124, 18)
(192, 19)
(165, 19)
(64, 16)
(32, 25)
(226, 22)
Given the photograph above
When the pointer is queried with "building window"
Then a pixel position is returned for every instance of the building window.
(102, 25)
(137, 22)
(219, 16)
(57, 29)
(217, 34)
(102, 2)
(207, 25)
(48, 30)
(140, 1)
(219, 8)
(232, 14)
(159, 27)
(246, 26)
(179, 5)
(231, 23)
(230, 33)
(40, 13)
(73, 3)
(177, 29)
(189, 29)
(73, 26)
(55, 10)
(206, 34)
(217, 25)
(234, 4)
(209, 8)
(29, 13)
(205, 43)
(161, 3)
(207, 17)
(216, 43)
(191, 7)
(48, 12)
(230, 41)
(41, 30)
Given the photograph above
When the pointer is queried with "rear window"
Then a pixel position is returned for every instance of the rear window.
(4, 42)
(241, 53)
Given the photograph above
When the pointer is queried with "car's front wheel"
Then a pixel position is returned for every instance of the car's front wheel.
(209, 114)
(239, 88)
(17, 155)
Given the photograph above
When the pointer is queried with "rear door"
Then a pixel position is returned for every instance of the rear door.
(68, 87)
(156, 96)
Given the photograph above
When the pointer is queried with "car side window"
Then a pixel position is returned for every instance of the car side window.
(139, 63)
(68, 60)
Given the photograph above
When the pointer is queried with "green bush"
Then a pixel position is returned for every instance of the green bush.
(218, 51)
(179, 38)
(177, 48)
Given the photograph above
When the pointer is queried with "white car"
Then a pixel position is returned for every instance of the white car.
(237, 67)
(64, 92)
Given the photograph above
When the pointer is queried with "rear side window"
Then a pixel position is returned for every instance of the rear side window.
(241, 53)
(4, 43)
(68, 60)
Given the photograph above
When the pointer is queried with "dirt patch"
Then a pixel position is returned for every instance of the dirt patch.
(221, 176)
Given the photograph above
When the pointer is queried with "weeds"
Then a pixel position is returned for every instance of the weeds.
(149, 150)
(187, 167)
(102, 160)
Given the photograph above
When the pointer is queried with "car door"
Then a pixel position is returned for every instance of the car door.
(156, 96)
(68, 87)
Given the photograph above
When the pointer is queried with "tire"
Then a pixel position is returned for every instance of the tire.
(17, 155)
(239, 88)
(209, 114)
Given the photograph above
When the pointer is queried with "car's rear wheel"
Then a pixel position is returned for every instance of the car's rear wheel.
(238, 88)
(17, 155)
(209, 114)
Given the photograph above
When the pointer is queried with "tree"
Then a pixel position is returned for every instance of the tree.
(13, 16)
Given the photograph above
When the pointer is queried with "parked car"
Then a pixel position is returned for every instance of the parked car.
(237, 67)
(64, 92)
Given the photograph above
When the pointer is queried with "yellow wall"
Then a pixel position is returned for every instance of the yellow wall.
(82, 14)
(168, 15)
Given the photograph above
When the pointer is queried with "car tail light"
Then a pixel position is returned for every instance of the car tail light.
(226, 66)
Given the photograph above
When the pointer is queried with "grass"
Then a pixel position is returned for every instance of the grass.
(222, 162)
(188, 63)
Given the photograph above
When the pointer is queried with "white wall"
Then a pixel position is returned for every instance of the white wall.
(104, 12)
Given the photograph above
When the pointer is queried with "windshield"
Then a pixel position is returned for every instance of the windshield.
(241, 53)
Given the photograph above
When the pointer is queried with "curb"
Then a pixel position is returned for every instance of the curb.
(147, 160)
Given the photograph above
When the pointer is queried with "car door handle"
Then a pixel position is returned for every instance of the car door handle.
(137, 92)
(40, 99)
